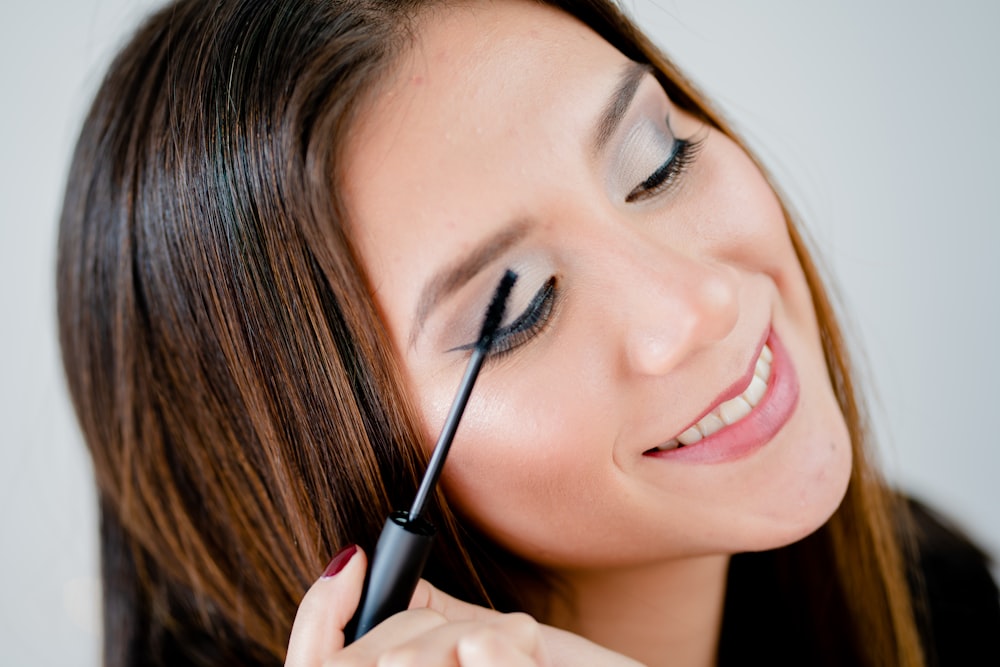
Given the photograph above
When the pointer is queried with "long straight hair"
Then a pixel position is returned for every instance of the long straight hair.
(233, 381)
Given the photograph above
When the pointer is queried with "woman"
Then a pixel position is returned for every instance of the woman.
(283, 223)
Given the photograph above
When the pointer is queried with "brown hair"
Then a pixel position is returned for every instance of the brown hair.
(229, 370)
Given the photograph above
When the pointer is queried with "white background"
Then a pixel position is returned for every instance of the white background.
(878, 116)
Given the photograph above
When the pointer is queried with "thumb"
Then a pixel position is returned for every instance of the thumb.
(318, 630)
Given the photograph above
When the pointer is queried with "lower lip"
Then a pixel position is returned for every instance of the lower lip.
(756, 429)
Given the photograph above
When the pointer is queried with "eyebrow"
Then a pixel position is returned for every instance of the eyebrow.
(631, 76)
(448, 280)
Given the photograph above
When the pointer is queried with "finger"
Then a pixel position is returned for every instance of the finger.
(386, 643)
(514, 640)
(487, 648)
(438, 646)
(428, 596)
(318, 630)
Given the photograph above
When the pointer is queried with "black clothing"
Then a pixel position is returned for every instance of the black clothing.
(961, 619)
(771, 618)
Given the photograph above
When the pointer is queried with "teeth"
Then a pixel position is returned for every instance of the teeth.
(709, 424)
(763, 368)
(755, 391)
(732, 410)
(690, 436)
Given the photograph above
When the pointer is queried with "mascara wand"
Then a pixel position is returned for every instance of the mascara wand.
(406, 539)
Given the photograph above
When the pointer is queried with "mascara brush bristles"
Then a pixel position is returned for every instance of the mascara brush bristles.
(495, 311)
(491, 322)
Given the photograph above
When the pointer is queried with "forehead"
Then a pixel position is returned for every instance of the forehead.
(489, 96)
(475, 71)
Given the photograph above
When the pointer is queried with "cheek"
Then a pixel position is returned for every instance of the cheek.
(743, 225)
(512, 491)
(816, 477)
(735, 213)
(522, 468)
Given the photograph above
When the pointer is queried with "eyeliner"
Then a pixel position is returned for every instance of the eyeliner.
(406, 539)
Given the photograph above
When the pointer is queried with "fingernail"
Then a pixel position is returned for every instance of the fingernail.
(342, 558)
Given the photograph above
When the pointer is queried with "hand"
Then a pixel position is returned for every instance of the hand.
(437, 630)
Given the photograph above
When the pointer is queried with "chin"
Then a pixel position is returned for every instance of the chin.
(810, 503)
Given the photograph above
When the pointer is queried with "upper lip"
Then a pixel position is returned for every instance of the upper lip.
(736, 388)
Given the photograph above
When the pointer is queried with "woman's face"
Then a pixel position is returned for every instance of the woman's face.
(655, 269)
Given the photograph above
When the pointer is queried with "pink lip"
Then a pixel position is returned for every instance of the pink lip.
(737, 387)
(756, 429)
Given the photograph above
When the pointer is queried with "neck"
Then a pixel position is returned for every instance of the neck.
(668, 613)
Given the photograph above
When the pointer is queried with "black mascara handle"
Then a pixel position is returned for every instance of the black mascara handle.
(393, 573)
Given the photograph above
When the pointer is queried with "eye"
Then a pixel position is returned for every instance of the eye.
(682, 155)
(528, 324)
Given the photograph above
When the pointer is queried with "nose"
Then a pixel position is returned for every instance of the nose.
(678, 305)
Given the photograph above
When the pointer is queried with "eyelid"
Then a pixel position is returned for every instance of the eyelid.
(641, 148)
(683, 155)
(528, 324)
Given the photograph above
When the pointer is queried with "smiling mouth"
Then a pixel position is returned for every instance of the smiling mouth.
(728, 412)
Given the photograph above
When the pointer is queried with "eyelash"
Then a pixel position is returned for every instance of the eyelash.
(681, 158)
(527, 325)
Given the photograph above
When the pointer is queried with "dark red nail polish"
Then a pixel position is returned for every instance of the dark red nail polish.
(339, 561)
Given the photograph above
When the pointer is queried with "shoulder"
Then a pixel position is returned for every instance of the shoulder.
(955, 595)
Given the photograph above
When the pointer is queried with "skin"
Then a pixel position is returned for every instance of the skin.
(661, 304)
